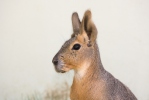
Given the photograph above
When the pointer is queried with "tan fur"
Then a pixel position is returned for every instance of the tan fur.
(91, 81)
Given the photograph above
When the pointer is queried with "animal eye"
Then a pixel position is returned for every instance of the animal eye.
(76, 47)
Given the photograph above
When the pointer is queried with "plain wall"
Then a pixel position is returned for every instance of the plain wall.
(32, 31)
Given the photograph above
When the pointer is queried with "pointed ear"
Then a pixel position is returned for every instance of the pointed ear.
(75, 24)
(88, 27)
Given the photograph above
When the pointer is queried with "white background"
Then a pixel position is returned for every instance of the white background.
(32, 31)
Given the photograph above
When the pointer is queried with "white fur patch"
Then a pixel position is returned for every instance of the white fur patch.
(79, 73)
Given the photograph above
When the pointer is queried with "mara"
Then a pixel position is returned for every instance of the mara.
(80, 53)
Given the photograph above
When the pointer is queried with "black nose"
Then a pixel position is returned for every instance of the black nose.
(55, 62)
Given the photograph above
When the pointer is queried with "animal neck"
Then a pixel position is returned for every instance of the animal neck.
(92, 68)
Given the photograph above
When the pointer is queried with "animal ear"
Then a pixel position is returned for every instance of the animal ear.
(75, 24)
(88, 27)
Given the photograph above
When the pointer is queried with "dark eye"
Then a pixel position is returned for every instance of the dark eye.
(76, 47)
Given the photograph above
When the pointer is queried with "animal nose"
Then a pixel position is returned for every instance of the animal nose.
(55, 62)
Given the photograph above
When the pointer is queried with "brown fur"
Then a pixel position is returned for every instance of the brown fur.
(91, 81)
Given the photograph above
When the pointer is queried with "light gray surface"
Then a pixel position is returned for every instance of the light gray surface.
(32, 31)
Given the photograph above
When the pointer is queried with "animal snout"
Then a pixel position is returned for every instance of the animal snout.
(55, 61)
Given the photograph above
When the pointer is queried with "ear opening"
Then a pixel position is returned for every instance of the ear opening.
(89, 28)
(75, 24)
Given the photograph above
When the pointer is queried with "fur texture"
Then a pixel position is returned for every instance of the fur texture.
(91, 81)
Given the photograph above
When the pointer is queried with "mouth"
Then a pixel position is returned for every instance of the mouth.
(60, 69)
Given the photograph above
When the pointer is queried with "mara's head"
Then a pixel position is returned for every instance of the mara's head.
(79, 49)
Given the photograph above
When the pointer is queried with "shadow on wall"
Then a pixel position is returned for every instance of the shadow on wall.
(59, 93)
